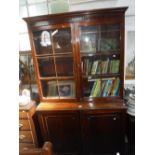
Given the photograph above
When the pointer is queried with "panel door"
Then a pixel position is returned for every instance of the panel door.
(99, 51)
(55, 62)
(63, 130)
(102, 133)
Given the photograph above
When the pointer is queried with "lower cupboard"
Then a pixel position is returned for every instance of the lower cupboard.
(83, 132)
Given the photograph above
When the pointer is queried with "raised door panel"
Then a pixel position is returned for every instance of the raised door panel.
(63, 130)
(102, 133)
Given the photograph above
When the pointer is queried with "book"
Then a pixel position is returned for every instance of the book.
(115, 88)
(99, 90)
(105, 66)
(117, 63)
(114, 66)
(103, 86)
(96, 88)
(99, 67)
(110, 88)
(108, 83)
(94, 67)
(93, 88)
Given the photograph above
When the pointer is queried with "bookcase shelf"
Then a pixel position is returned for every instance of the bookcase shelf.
(103, 76)
(56, 54)
(111, 53)
(57, 78)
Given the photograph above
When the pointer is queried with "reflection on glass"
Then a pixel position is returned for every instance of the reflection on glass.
(49, 89)
(62, 40)
(53, 42)
(110, 38)
(42, 42)
(88, 43)
(66, 89)
(64, 66)
(88, 39)
(101, 38)
(45, 39)
(58, 89)
(46, 67)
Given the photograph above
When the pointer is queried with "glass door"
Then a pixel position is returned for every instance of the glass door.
(54, 54)
(100, 59)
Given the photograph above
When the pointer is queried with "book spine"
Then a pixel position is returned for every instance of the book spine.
(99, 89)
(94, 67)
(117, 87)
(92, 91)
(111, 86)
(103, 87)
(96, 88)
(106, 88)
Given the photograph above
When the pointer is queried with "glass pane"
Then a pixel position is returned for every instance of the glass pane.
(23, 11)
(50, 89)
(26, 72)
(62, 40)
(100, 59)
(42, 40)
(88, 39)
(38, 9)
(110, 38)
(46, 67)
(24, 44)
(35, 1)
(58, 89)
(64, 66)
(66, 89)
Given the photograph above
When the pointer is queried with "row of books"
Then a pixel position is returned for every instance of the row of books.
(103, 88)
(100, 66)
